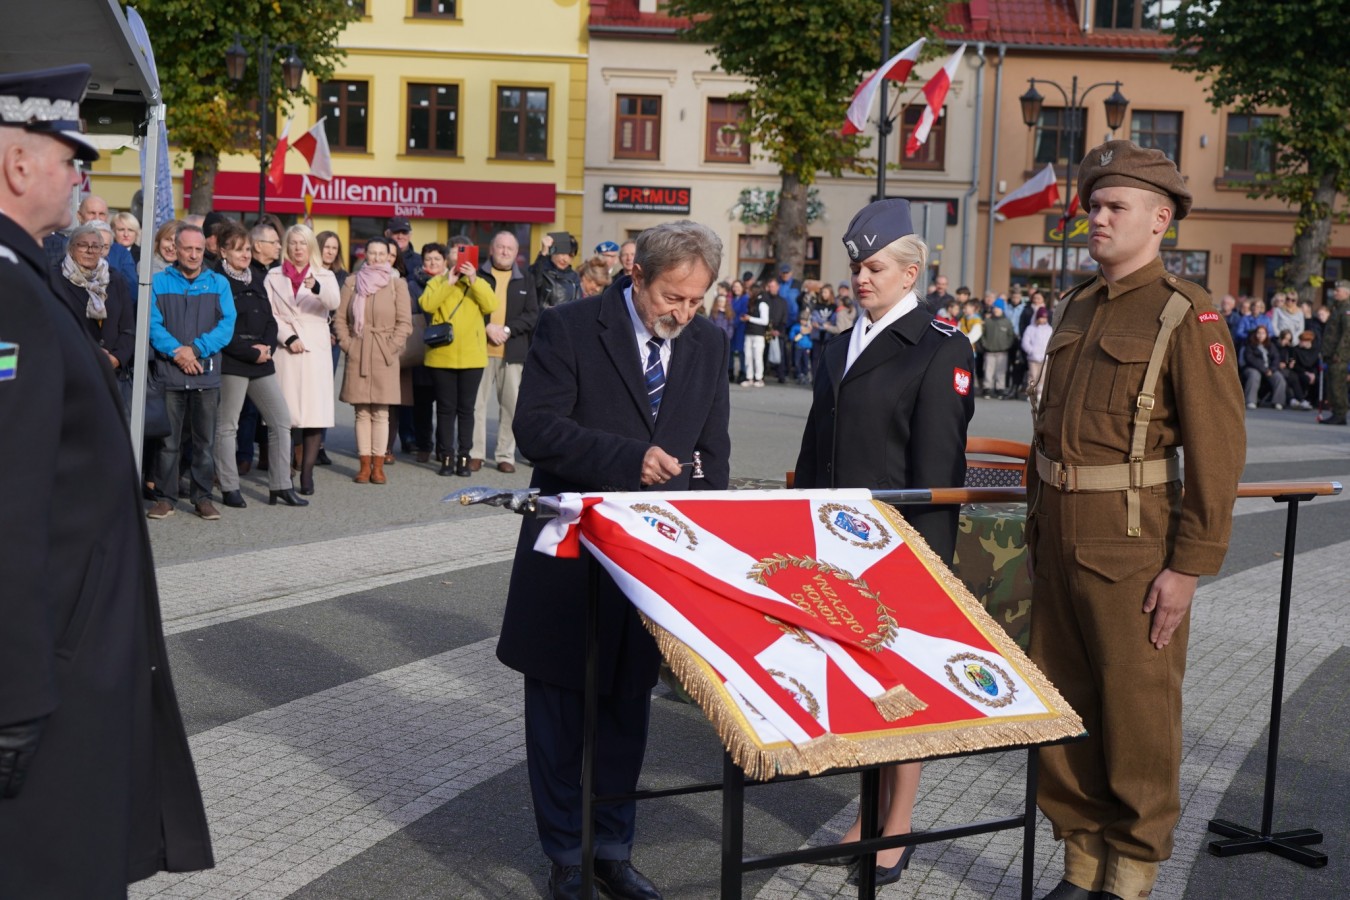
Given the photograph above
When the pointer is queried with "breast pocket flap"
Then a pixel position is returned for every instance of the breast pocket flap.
(1128, 348)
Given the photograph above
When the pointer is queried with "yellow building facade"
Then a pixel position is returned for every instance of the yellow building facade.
(464, 116)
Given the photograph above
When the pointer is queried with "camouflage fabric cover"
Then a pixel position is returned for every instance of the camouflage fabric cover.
(991, 560)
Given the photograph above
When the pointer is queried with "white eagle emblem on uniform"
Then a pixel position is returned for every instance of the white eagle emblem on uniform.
(1107, 156)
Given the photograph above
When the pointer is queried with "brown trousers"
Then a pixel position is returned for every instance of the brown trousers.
(1114, 798)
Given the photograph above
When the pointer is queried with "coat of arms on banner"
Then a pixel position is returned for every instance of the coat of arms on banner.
(816, 629)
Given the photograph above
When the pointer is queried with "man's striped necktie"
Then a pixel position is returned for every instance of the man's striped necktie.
(654, 374)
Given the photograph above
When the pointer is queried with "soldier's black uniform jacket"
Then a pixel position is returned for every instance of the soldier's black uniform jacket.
(111, 795)
(897, 419)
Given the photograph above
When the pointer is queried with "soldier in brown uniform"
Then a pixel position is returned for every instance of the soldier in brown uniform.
(1140, 366)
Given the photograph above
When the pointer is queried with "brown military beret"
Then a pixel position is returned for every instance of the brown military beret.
(1126, 164)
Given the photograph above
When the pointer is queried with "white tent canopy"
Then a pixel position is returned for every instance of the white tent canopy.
(123, 100)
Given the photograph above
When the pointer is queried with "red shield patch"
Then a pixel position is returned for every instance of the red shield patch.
(1209, 317)
(1217, 353)
(961, 381)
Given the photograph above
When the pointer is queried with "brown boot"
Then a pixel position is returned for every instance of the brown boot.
(363, 476)
(377, 470)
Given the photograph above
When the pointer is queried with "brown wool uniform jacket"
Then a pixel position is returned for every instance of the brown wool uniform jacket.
(1097, 356)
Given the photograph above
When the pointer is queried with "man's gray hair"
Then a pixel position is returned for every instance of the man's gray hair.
(186, 226)
(677, 244)
(259, 232)
(100, 226)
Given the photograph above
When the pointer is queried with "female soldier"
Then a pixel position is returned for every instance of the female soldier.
(891, 404)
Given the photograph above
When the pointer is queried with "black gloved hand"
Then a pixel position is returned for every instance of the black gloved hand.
(18, 743)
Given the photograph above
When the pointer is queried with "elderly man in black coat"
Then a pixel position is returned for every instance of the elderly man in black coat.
(618, 391)
(97, 787)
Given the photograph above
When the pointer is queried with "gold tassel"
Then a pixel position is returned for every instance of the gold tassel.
(897, 703)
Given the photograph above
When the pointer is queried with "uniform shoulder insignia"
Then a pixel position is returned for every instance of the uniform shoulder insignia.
(1193, 292)
(8, 254)
(944, 327)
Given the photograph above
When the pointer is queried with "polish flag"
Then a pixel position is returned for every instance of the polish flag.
(1070, 212)
(935, 91)
(1041, 192)
(896, 69)
(277, 170)
(313, 146)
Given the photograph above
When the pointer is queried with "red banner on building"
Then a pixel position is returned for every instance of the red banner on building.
(415, 198)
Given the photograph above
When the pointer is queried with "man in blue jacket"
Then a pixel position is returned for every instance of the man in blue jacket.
(191, 320)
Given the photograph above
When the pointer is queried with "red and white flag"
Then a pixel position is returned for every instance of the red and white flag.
(313, 146)
(1069, 213)
(814, 627)
(276, 170)
(896, 69)
(935, 91)
(1040, 192)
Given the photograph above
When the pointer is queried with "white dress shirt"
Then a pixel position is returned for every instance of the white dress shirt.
(865, 331)
(643, 336)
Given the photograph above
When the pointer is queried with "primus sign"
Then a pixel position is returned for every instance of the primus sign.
(415, 198)
(641, 198)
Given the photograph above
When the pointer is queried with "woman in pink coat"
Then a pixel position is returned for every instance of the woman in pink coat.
(303, 293)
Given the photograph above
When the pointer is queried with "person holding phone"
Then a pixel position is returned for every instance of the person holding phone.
(462, 300)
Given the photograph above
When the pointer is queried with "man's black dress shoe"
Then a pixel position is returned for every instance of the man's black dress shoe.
(618, 879)
(233, 499)
(287, 497)
(889, 875)
(564, 883)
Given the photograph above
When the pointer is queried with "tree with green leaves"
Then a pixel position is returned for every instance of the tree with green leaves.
(803, 62)
(1282, 59)
(207, 112)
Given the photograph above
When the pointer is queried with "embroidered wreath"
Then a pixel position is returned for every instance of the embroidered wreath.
(887, 626)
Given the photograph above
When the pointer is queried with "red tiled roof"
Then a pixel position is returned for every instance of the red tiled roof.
(1047, 23)
(624, 14)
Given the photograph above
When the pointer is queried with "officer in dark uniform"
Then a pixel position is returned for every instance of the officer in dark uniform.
(97, 787)
(893, 397)
(1140, 364)
(1336, 351)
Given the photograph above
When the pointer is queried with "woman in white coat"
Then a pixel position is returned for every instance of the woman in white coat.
(303, 293)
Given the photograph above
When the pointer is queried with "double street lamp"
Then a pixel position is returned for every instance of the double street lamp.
(292, 71)
(1032, 100)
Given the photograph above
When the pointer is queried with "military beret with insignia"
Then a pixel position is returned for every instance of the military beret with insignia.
(47, 101)
(1126, 164)
(876, 225)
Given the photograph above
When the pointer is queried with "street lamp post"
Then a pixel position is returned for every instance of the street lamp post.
(292, 71)
(1031, 102)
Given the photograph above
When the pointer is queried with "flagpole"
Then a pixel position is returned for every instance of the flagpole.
(883, 121)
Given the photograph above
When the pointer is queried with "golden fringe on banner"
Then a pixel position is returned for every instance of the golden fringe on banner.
(832, 751)
(897, 703)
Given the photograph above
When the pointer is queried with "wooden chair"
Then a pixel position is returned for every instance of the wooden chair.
(1009, 469)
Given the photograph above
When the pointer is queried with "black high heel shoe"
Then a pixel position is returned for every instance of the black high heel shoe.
(287, 497)
(892, 875)
(233, 499)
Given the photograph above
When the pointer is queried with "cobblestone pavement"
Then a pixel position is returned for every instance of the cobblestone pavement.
(356, 737)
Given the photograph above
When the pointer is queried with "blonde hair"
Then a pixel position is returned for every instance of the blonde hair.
(908, 251)
(315, 257)
(126, 218)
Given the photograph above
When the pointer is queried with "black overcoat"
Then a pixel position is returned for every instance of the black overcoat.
(117, 332)
(111, 795)
(896, 420)
(583, 420)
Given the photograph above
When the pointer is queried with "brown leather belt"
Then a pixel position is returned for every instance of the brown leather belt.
(1118, 477)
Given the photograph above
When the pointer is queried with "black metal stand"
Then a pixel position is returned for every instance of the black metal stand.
(1240, 839)
(734, 864)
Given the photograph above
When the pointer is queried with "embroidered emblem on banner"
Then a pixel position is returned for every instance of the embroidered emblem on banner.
(828, 593)
(805, 699)
(1217, 353)
(961, 381)
(854, 526)
(667, 524)
(1209, 317)
(981, 679)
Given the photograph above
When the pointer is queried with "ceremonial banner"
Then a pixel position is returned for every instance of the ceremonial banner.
(816, 629)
